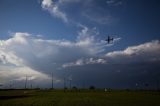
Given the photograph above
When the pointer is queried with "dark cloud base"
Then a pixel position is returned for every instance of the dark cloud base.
(115, 75)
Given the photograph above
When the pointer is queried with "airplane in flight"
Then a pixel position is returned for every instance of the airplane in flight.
(109, 40)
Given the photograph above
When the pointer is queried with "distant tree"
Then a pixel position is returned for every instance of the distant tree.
(65, 88)
(74, 88)
(146, 84)
(1, 86)
(37, 88)
(92, 87)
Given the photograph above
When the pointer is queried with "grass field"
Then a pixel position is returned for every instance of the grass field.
(78, 98)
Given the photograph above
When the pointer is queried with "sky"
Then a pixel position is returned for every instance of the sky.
(66, 38)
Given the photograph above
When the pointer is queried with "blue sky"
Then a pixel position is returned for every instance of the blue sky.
(134, 21)
(52, 36)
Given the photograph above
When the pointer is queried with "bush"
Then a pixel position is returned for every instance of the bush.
(92, 87)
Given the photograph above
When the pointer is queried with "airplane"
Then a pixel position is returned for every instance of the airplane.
(109, 39)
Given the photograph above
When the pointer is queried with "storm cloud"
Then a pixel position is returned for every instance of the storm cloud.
(83, 60)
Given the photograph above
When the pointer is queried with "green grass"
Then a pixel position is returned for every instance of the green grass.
(76, 98)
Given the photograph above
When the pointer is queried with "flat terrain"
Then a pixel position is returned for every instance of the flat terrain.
(78, 98)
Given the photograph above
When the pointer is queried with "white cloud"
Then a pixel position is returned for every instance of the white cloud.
(96, 61)
(147, 52)
(81, 62)
(142, 53)
(25, 52)
(89, 9)
(8, 57)
(77, 63)
(11, 73)
(87, 38)
(53, 8)
(47, 3)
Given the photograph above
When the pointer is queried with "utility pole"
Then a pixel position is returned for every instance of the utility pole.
(83, 85)
(25, 86)
(64, 83)
(10, 85)
(70, 83)
(52, 80)
(31, 86)
(157, 84)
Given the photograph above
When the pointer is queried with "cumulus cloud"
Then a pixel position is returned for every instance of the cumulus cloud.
(25, 52)
(146, 52)
(11, 73)
(125, 68)
(143, 53)
(53, 8)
